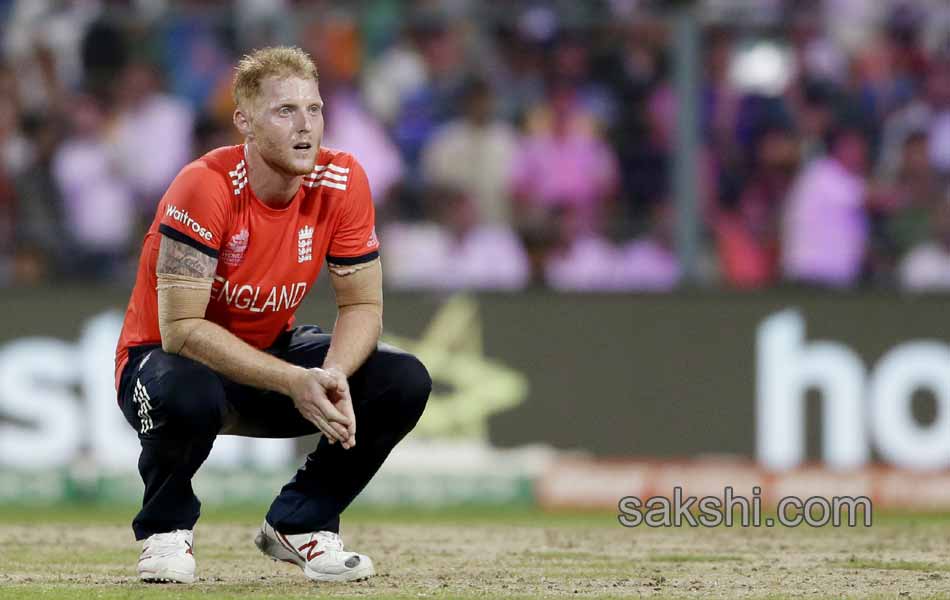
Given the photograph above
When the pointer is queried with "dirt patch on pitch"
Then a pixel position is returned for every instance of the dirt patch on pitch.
(900, 560)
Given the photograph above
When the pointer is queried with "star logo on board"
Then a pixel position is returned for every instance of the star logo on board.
(468, 387)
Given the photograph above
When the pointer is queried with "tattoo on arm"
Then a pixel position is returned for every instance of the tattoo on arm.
(176, 258)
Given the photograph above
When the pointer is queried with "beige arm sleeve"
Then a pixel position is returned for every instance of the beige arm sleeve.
(359, 320)
(182, 301)
(358, 287)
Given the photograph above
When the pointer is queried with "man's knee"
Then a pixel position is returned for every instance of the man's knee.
(186, 399)
(413, 385)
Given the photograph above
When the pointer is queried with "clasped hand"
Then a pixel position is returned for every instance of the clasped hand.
(322, 396)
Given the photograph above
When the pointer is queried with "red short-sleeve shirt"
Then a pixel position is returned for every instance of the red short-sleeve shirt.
(268, 258)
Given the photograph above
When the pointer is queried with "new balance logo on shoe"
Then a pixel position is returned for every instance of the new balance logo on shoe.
(311, 548)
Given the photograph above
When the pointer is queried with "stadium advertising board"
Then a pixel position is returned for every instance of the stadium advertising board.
(789, 380)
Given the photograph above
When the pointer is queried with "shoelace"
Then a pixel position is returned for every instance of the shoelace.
(168, 544)
(327, 540)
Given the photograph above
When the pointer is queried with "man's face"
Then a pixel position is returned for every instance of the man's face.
(287, 123)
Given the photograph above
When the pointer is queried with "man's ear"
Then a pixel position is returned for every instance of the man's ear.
(243, 124)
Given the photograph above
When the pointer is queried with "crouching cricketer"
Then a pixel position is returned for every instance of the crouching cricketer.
(209, 346)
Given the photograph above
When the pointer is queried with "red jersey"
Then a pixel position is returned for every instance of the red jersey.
(268, 258)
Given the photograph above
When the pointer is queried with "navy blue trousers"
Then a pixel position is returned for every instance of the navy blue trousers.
(179, 406)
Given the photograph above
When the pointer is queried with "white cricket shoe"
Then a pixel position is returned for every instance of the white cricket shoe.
(320, 554)
(168, 557)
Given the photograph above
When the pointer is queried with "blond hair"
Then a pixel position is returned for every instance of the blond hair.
(276, 61)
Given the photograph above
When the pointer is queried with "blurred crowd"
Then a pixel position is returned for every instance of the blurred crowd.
(507, 144)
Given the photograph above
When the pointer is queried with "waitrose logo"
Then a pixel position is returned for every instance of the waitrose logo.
(185, 219)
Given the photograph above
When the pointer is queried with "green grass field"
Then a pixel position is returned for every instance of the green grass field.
(486, 554)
